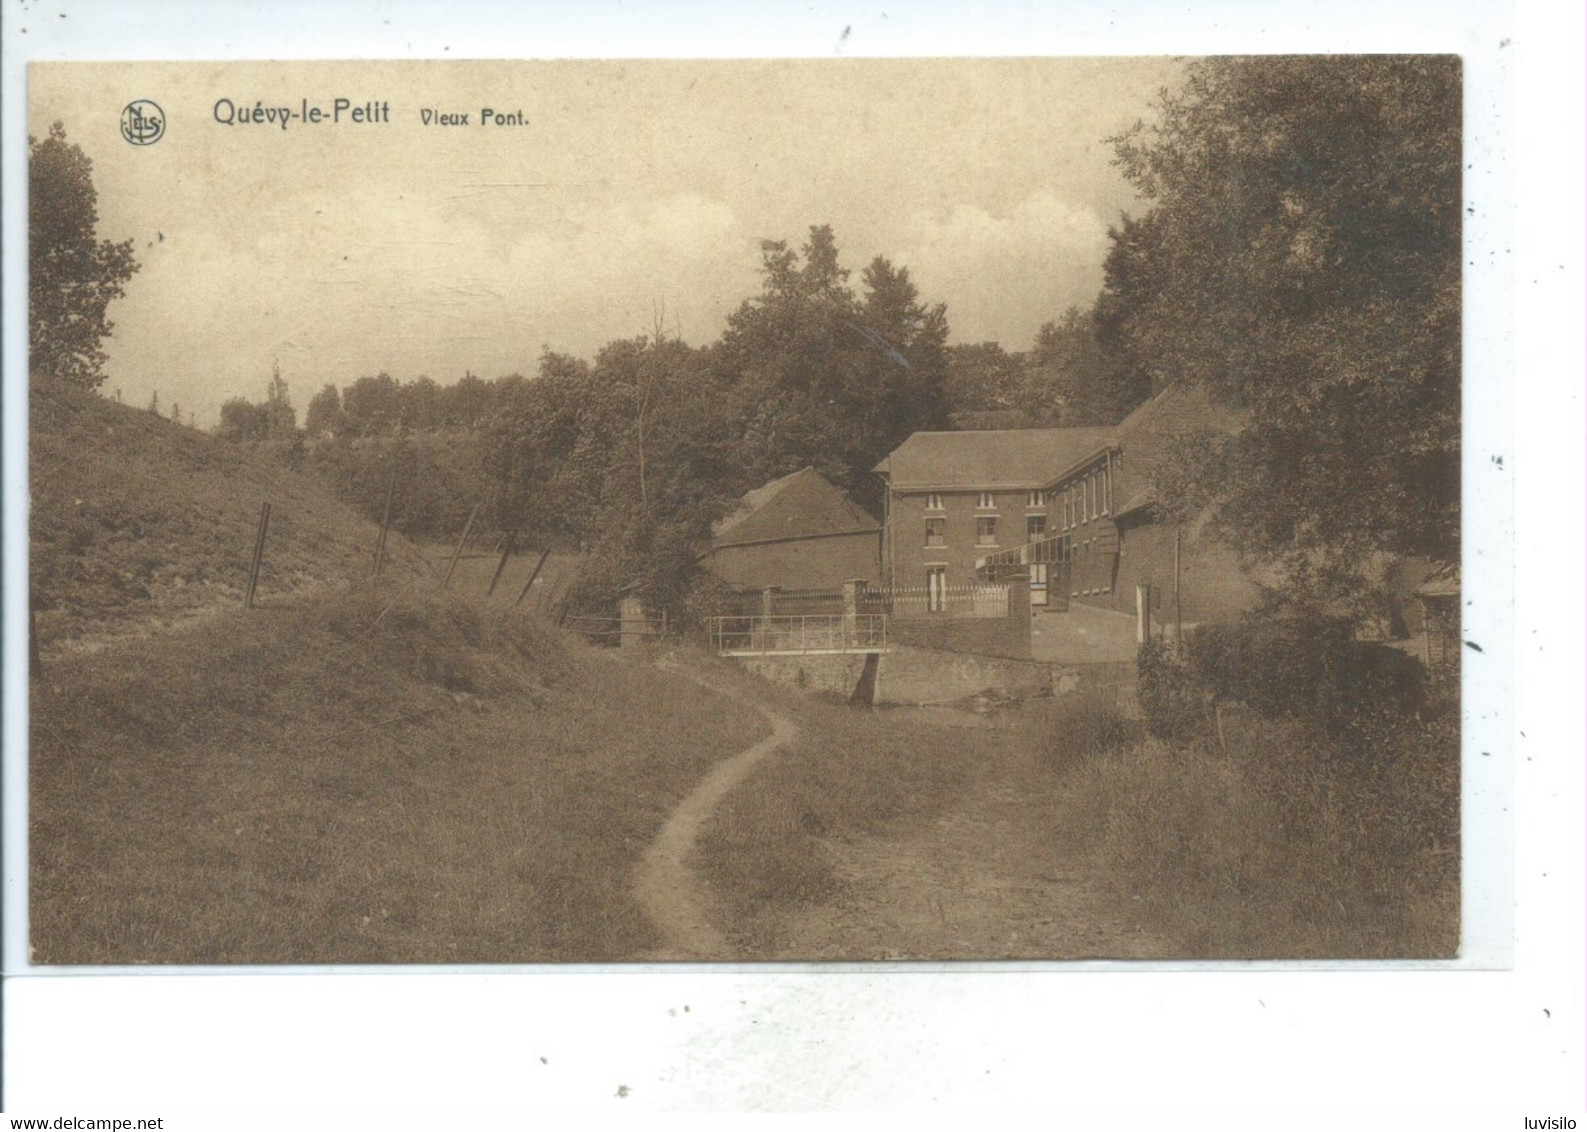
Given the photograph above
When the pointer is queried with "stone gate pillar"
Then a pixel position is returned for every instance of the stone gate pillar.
(852, 589)
(1019, 613)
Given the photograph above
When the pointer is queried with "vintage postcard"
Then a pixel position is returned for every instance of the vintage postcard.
(745, 511)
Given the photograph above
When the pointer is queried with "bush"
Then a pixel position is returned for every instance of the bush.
(1303, 666)
(1284, 843)
(1088, 723)
(1174, 703)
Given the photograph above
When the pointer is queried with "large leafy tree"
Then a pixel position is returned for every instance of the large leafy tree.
(827, 378)
(73, 276)
(1301, 258)
(1075, 378)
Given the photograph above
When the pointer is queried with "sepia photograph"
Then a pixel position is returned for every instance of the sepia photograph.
(745, 511)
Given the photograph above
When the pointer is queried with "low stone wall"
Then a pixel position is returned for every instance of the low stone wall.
(909, 675)
(986, 636)
(836, 674)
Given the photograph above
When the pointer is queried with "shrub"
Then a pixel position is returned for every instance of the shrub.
(1088, 723)
(1173, 702)
(1303, 666)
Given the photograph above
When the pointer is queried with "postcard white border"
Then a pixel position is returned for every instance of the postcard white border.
(790, 1038)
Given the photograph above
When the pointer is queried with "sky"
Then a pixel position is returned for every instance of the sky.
(341, 249)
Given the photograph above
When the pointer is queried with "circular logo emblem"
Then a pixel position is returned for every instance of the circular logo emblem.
(142, 122)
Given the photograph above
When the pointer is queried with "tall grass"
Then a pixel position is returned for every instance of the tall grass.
(1284, 842)
(372, 778)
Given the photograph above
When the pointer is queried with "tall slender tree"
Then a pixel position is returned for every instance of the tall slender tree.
(73, 276)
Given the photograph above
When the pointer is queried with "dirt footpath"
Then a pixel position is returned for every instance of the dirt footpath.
(982, 881)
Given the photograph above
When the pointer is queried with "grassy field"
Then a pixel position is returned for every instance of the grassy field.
(1280, 844)
(351, 780)
(140, 524)
(767, 852)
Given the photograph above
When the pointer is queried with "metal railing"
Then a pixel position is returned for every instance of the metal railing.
(818, 632)
(972, 599)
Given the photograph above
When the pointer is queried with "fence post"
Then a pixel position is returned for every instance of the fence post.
(1143, 614)
(852, 588)
(258, 555)
(630, 611)
(1179, 616)
(468, 528)
(506, 553)
(533, 574)
(385, 516)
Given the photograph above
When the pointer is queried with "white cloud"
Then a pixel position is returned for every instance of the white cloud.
(1002, 275)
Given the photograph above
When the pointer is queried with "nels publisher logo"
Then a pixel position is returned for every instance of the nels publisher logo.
(142, 122)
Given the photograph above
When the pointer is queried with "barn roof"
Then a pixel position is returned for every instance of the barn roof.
(799, 504)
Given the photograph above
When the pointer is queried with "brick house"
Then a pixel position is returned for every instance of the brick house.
(954, 498)
(1113, 535)
(1074, 508)
(798, 532)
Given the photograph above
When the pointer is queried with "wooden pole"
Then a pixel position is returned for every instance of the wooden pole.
(468, 527)
(1143, 614)
(385, 517)
(506, 553)
(1179, 621)
(533, 574)
(258, 555)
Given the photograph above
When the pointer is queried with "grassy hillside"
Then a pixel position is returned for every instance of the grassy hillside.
(376, 776)
(137, 523)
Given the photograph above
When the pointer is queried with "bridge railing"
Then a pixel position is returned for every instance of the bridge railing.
(819, 632)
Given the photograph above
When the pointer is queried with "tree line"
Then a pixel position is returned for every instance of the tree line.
(1298, 254)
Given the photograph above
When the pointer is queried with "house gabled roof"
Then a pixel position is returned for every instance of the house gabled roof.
(802, 504)
(1021, 458)
(1179, 409)
(1037, 458)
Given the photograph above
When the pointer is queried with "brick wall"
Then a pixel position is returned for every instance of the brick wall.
(1213, 587)
(906, 520)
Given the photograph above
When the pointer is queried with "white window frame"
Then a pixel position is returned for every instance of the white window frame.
(942, 533)
(934, 501)
(987, 502)
(989, 538)
(1035, 500)
(1032, 537)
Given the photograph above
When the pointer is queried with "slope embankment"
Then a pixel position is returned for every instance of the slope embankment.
(138, 524)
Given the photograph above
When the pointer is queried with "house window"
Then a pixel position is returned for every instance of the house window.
(936, 589)
(936, 532)
(987, 502)
(1038, 583)
(985, 531)
(1091, 496)
(1107, 490)
(1035, 499)
(934, 501)
(1035, 527)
